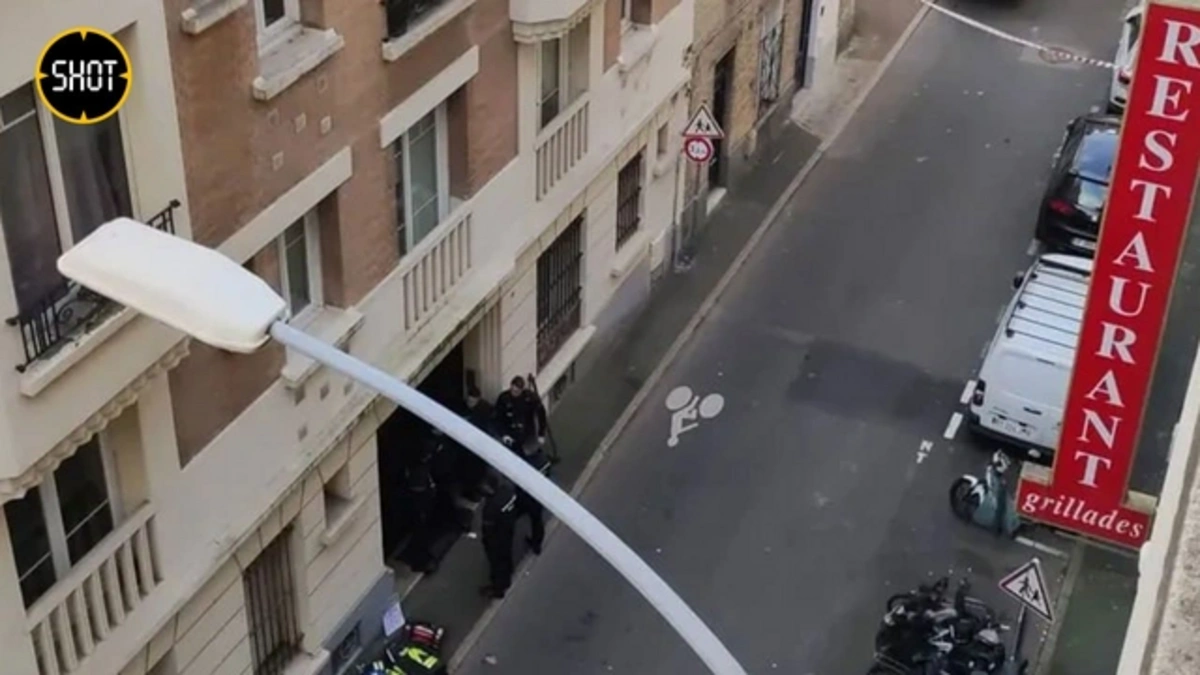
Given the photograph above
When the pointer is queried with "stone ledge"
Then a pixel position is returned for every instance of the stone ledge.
(394, 48)
(204, 14)
(295, 58)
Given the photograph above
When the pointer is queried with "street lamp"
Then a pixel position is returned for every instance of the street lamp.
(206, 295)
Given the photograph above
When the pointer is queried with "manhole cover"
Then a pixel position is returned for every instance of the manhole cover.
(1052, 54)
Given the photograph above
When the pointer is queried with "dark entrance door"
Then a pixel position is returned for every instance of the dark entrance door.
(805, 37)
(401, 439)
(722, 78)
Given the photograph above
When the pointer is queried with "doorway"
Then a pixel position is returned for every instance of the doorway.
(414, 531)
(722, 80)
(805, 39)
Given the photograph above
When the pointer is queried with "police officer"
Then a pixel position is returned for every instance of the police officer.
(527, 505)
(520, 413)
(472, 469)
(496, 531)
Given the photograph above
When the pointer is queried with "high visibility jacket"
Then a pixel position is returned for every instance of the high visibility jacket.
(413, 660)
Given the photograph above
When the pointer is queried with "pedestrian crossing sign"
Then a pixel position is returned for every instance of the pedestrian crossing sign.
(703, 125)
(1028, 585)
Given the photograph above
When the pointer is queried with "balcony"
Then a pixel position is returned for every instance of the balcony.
(100, 595)
(560, 146)
(436, 269)
(69, 310)
(545, 14)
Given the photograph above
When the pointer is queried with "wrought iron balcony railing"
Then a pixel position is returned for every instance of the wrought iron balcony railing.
(70, 309)
(403, 14)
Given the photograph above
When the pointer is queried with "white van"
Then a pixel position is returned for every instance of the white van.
(1022, 386)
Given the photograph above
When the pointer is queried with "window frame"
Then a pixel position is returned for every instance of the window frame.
(626, 14)
(54, 168)
(637, 164)
(442, 160)
(271, 36)
(312, 259)
(51, 505)
(563, 82)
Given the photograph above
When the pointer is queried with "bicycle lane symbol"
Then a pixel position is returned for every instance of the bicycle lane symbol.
(687, 409)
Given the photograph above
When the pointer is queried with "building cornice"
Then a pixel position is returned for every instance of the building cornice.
(532, 33)
(15, 488)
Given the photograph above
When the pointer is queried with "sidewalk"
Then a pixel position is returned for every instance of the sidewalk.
(1092, 629)
(594, 402)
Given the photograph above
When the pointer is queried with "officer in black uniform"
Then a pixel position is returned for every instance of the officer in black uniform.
(520, 414)
(472, 469)
(421, 487)
(527, 505)
(496, 530)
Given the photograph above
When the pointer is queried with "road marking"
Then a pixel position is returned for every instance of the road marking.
(1039, 546)
(1033, 248)
(967, 392)
(925, 449)
(1057, 53)
(952, 426)
(687, 409)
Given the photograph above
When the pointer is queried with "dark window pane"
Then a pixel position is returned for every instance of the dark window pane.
(400, 195)
(31, 545)
(273, 10)
(93, 165)
(26, 205)
(83, 499)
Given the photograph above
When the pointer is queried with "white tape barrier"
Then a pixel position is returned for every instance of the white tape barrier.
(1054, 52)
(1164, 580)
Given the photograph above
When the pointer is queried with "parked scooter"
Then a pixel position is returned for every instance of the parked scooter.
(989, 502)
(923, 631)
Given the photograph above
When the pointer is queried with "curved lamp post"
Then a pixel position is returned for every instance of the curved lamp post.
(208, 296)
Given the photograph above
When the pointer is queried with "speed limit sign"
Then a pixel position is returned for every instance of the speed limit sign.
(698, 149)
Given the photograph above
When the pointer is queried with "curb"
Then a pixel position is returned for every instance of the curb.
(684, 337)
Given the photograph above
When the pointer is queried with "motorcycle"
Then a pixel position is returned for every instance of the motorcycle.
(989, 502)
(924, 632)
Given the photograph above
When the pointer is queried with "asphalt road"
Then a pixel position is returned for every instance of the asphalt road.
(843, 345)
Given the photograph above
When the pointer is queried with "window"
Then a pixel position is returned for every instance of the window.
(300, 264)
(402, 15)
(338, 496)
(559, 296)
(629, 199)
(271, 606)
(58, 522)
(61, 182)
(277, 21)
(635, 12)
(422, 179)
(662, 141)
(563, 71)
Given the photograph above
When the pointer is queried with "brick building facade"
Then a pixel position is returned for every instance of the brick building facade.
(480, 189)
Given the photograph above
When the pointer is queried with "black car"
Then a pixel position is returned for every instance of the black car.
(1074, 199)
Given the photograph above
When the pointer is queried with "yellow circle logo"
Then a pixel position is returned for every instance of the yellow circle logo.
(83, 76)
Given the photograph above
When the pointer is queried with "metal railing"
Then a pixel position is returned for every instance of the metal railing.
(401, 15)
(629, 199)
(271, 607)
(69, 309)
(559, 292)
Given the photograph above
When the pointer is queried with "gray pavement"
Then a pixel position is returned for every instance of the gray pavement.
(844, 344)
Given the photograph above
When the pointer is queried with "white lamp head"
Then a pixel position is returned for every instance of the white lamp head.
(178, 282)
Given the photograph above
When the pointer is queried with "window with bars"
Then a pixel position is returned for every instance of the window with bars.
(629, 200)
(559, 291)
(270, 591)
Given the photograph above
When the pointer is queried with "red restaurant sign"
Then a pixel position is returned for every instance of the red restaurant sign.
(1149, 205)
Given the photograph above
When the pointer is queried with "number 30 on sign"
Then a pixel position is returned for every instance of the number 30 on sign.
(698, 150)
